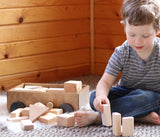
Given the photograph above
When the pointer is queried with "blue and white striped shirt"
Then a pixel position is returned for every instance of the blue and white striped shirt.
(136, 74)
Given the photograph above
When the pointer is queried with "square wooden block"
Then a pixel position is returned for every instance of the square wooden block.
(27, 124)
(66, 120)
(72, 86)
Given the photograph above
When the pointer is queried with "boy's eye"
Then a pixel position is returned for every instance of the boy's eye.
(145, 36)
(131, 35)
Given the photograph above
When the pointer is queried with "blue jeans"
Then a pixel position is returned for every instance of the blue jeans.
(137, 103)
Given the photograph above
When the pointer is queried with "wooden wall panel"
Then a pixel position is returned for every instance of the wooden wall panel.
(108, 11)
(38, 14)
(45, 61)
(43, 30)
(41, 46)
(100, 68)
(110, 2)
(103, 41)
(43, 40)
(102, 56)
(36, 3)
(109, 32)
(112, 27)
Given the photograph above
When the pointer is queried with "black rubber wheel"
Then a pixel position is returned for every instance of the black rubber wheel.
(66, 108)
(16, 105)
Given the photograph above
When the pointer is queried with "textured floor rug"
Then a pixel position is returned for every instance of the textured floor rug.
(10, 129)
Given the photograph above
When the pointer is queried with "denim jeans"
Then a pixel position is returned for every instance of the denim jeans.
(137, 103)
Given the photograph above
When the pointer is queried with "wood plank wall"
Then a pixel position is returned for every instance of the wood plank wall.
(109, 33)
(43, 40)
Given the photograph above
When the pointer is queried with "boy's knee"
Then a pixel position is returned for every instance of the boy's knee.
(144, 95)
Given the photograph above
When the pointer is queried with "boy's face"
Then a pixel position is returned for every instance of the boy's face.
(141, 38)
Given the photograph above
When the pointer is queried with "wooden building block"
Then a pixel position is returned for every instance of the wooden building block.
(73, 86)
(16, 119)
(127, 126)
(16, 113)
(106, 115)
(48, 118)
(27, 124)
(66, 120)
(55, 89)
(116, 127)
(36, 111)
(56, 111)
(39, 104)
(25, 111)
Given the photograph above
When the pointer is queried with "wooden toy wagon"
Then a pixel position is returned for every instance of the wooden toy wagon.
(29, 93)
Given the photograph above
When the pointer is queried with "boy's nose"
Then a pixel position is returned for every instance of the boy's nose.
(138, 41)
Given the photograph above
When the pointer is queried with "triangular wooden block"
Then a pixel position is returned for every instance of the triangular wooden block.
(36, 111)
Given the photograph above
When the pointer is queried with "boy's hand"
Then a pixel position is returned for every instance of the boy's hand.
(99, 101)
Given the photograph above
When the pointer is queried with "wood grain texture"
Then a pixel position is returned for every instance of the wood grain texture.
(45, 61)
(111, 27)
(111, 2)
(30, 3)
(108, 11)
(43, 46)
(41, 14)
(43, 30)
(102, 56)
(100, 68)
(107, 41)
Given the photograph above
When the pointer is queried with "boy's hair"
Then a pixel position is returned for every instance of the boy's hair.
(141, 12)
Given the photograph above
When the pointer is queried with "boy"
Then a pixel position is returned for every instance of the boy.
(138, 91)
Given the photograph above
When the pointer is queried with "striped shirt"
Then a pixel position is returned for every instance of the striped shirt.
(136, 74)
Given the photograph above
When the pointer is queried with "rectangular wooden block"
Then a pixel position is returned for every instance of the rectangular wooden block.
(66, 120)
(25, 111)
(27, 124)
(56, 111)
(106, 115)
(127, 126)
(55, 89)
(16, 113)
(116, 127)
(48, 118)
(16, 119)
(73, 86)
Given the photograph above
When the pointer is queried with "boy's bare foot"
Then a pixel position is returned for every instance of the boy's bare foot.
(85, 118)
(152, 117)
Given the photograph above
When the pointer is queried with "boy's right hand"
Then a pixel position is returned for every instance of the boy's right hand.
(99, 101)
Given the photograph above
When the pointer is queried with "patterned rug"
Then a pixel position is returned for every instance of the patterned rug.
(8, 129)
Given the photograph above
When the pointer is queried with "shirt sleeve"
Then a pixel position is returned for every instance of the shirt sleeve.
(114, 66)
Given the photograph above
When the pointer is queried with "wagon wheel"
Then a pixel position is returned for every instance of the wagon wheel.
(66, 107)
(17, 105)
